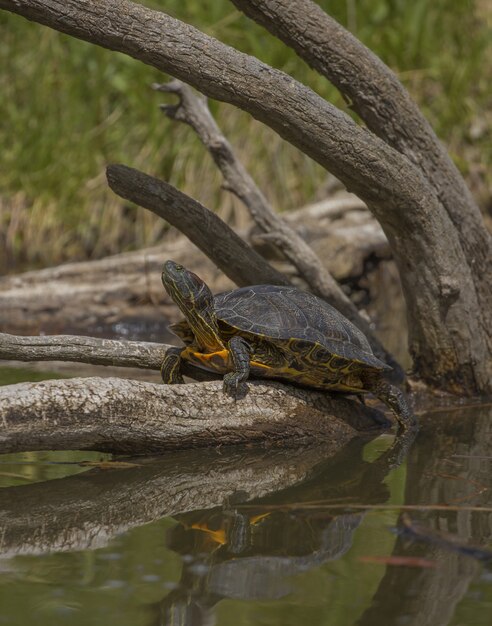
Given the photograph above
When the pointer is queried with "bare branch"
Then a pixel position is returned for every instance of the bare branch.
(129, 416)
(77, 349)
(206, 230)
(144, 355)
(383, 103)
(192, 109)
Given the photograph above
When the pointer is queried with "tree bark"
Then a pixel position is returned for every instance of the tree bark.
(449, 336)
(378, 97)
(134, 417)
(204, 228)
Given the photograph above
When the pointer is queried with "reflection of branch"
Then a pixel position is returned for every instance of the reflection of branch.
(419, 533)
(94, 506)
(128, 416)
(206, 230)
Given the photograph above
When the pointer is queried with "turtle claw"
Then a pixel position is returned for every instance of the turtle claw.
(233, 386)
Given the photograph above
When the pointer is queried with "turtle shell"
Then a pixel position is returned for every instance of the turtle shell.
(288, 316)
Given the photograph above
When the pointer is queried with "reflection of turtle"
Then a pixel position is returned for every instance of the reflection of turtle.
(273, 332)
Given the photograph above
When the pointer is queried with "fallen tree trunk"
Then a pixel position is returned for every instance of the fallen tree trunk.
(126, 416)
(122, 295)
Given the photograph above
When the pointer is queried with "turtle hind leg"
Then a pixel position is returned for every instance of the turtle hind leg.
(171, 367)
(240, 352)
(395, 400)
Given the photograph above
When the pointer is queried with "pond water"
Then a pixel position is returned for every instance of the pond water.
(254, 536)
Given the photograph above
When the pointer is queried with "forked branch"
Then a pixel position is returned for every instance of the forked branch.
(192, 109)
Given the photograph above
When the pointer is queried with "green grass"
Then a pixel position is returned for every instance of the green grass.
(68, 108)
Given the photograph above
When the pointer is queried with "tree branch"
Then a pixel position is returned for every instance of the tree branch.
(383, 103)
(129, 416)
(144, 355)
(192, 109)
(204, 228)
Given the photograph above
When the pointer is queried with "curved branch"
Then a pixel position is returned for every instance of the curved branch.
(129, 416)
(383, 103)
(204, 228)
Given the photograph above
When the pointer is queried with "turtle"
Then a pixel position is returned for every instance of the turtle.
(276, 332)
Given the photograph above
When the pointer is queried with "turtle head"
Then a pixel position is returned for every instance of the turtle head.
(186, 288)
(195, 301)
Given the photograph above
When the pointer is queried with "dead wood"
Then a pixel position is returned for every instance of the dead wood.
(379, 98)
(127, 416)
(143, 355)
(204, 228)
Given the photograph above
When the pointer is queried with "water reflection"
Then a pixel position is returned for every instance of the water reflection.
(248, 557)
(260, 536)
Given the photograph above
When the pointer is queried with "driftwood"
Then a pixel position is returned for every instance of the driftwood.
(449, 322)
(135, 417)
(122, 295)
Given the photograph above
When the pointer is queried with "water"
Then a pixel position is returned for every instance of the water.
(255, 536)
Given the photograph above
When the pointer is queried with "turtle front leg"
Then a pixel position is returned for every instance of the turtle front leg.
(240, 352)
(171, 367)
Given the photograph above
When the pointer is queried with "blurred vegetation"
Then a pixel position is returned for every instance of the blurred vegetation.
(67, 108)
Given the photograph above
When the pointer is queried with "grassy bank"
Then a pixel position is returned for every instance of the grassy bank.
(68, 108)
